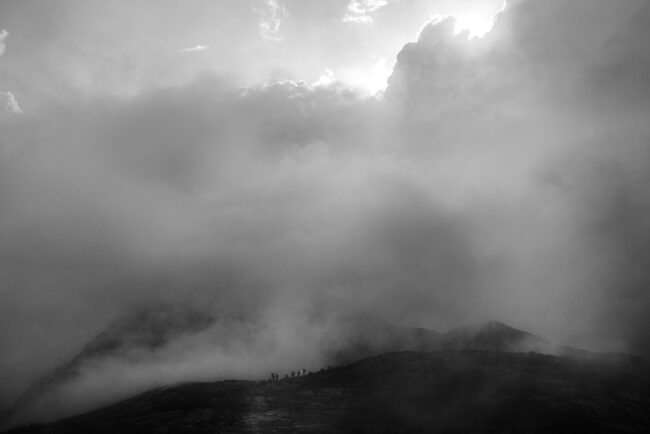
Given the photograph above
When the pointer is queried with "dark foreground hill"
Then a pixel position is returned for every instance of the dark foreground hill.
(451, 392)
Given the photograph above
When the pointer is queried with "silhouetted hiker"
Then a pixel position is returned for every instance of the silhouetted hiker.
(304, 371)
(293, 374)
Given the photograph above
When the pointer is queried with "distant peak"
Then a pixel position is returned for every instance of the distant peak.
(495, 325)
(486, 326)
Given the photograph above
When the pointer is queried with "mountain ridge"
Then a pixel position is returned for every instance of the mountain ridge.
(447, 391)
(365, 337)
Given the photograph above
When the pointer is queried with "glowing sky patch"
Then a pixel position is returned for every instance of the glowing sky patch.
(367, 80)
(373, 79)
(476, 25)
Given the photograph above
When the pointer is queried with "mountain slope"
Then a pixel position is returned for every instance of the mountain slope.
(148, 330)
(477, 392)
(144, 329)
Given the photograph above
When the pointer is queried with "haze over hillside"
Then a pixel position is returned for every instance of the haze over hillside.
(137, 344)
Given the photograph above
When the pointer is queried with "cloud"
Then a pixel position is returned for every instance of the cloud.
(9, 103)
(271, 14)
(195, 49)
(530, 104)
(99, 193)
(360, 11)
(326, 79)
(501, 177)
(4, 34)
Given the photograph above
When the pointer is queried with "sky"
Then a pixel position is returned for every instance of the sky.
(288, 162)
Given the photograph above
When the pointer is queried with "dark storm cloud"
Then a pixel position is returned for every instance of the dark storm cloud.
(500, 177)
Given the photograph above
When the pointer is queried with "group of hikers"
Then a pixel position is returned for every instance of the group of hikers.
(276, 377)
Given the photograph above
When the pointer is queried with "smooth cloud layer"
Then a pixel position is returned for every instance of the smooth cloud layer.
(498, 178)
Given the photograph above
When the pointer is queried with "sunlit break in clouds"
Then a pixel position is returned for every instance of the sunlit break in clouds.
(476, 26)
(477, 23)
(207, 190)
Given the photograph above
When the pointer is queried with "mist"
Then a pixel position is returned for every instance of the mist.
(500, 177)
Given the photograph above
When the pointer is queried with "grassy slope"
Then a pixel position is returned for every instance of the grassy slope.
(397, 392)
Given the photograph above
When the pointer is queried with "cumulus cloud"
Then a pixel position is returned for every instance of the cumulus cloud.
(531, 104)
(500, 177)
(271, 14)
(3, 37)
